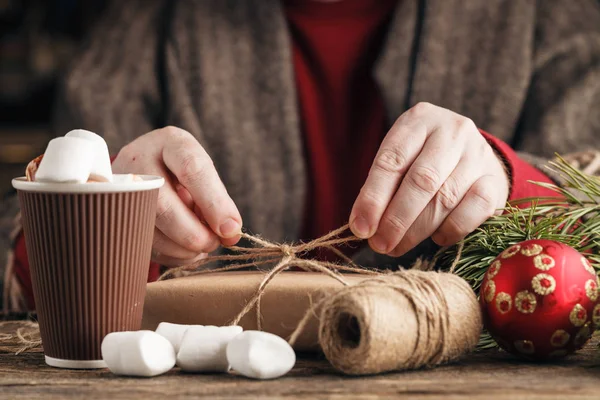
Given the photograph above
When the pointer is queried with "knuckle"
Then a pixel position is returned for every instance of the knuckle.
(464, 125)
(424, 178)
(484, 198)
(369, 202)
(394, 223)
(193, 170)
(447, 196)
(164, 209)
(421, 108)
(390, 160)
(193, 242)
(174, 132)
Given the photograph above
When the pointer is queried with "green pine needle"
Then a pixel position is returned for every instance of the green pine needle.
(572, 217)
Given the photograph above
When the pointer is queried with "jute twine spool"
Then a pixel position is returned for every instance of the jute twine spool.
(394, 321)
(405, 320)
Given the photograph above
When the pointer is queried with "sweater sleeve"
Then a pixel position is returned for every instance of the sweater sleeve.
(520, 172)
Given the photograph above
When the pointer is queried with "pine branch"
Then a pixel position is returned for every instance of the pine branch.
(572, 217)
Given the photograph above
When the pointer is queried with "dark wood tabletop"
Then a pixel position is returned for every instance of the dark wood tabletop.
(482, 375)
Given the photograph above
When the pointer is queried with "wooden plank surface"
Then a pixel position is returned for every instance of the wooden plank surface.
(483, 375)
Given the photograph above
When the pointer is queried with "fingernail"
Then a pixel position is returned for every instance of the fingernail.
(229, 228)
(379, 244)
(361, 227)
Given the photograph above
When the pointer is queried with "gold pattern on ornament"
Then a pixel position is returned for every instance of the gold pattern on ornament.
(543, 262)
(511, 251)
(558, 353)
(494, 269)
(525, 302)
(578, 315)
(583, 335)
(596, 315)
(524, 346)
(489, 290)
(591, 289)
(543, 284)
(531, 250)
(587, 265)
(503, 302)
(559, 338)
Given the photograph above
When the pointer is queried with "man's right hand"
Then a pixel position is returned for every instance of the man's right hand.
(194, 213)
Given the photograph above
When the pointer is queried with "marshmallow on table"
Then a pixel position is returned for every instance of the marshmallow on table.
(173, 332)
(140, 353)
(66, 159)
(260, 355)
(101, 166)
(203, 349)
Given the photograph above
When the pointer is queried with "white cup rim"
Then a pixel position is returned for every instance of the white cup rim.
(148, 182)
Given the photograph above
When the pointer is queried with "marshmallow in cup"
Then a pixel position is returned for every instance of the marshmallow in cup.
(101, 169)
(66, 160)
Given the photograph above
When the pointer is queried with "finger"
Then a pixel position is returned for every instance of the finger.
(433, 166)
(163, 245)
(397, 152)
(195, 171)
(224, 241)
(185, 196)
(477, 206)
(443, 203)
(180, 224)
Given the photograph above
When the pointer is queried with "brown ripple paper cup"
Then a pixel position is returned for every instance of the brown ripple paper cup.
(89, 248)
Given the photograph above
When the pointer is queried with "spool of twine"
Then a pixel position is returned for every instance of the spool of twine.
(405, 320)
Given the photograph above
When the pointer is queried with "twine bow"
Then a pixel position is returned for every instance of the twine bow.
(284, 256)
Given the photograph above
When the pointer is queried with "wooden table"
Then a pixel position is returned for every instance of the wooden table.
(483, 375)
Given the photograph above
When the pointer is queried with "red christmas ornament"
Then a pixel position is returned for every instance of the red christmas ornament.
(540, 299)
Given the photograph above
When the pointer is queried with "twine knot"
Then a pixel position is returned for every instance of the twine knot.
(288, 251)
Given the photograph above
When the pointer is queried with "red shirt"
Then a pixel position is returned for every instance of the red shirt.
(335, 46)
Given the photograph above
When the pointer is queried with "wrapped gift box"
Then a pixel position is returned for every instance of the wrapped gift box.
(216, 299)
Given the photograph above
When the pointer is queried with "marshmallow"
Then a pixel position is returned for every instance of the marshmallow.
(101, 169)
(260, 355)
(203, 349)
(173, 332)
(140, 353)
(66, 159)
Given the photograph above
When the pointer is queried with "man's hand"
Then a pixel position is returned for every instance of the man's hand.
(194, 212)
(434, 175)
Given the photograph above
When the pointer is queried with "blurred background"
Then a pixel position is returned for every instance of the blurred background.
(37, 40)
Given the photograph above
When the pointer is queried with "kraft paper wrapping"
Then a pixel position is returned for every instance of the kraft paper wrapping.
(216, 298)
